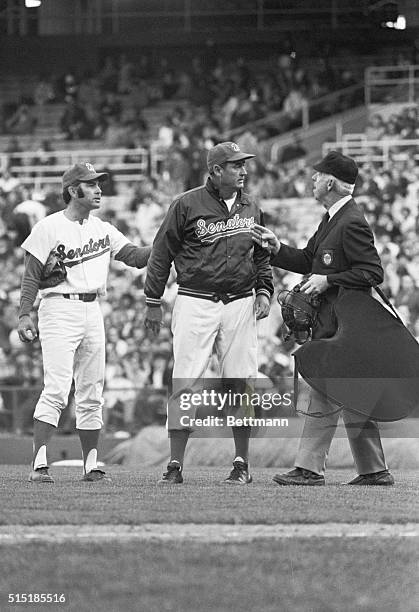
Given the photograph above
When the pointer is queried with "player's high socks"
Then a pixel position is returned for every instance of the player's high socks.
(241, 437)
(42, 433)
(178, 441)
(89, 439)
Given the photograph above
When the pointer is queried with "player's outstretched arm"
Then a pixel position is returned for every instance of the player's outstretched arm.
(133, 256)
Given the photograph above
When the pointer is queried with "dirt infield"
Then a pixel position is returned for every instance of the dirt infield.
(210, 533)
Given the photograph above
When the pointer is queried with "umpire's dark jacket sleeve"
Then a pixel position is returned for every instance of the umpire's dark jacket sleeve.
(343, 250)
(295, 260)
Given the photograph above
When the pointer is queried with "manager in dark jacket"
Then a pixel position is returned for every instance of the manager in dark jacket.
(341, 254)
(225, 284)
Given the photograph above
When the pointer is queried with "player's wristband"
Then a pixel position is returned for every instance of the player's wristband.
(153, 302)
(264, 292)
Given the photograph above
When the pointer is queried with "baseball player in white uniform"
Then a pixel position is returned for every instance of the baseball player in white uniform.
(71, 329)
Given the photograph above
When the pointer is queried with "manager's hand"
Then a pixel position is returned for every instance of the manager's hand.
(265, 238)
(262, 306)
(153, 319)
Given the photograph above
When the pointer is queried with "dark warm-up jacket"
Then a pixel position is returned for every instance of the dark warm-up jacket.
(212, 248)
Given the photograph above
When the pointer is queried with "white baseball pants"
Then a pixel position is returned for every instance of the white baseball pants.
(199, 326)
(72, 338)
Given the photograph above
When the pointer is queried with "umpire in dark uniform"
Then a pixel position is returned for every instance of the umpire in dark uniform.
(341, 254)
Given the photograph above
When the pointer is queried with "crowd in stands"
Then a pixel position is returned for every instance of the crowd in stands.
(389, 197)
(403, 125)
(215, 95)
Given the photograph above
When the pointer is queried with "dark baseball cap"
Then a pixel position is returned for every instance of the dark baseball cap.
(81, 173)
(225, 152)
(340, 166)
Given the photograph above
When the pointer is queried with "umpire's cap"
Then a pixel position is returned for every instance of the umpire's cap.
(340, 166)
(82, 173)
(225, 152)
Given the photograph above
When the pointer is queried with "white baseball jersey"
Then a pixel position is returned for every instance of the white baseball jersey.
(86, 249)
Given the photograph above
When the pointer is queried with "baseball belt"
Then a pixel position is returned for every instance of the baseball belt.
(213, 296)
(83, 297)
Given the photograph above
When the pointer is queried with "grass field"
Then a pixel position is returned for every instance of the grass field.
(174, 571)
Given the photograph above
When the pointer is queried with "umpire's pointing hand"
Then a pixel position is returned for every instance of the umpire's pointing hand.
(265, 238)
(153, 319)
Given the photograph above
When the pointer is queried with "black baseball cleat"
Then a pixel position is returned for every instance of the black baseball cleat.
(300, 476)
(95, 475)
(40, 475)
(173, 474)
(239, 474)
(382, 478)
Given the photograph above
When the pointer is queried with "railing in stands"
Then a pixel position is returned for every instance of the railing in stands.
(330, 128)
(312, 111)
(121, 19)
(395, 83)
(391, 84)
(383, 151)
(125, 164)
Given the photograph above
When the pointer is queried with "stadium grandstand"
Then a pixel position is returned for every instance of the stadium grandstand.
(142, 90)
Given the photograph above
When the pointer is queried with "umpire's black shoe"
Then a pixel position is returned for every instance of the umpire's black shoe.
(300, 476)
(173, 474)
(239, 474)
(383, 479)
(40, 476)
(95, 475)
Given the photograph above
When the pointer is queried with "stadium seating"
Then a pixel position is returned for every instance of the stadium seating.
(387, 189)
